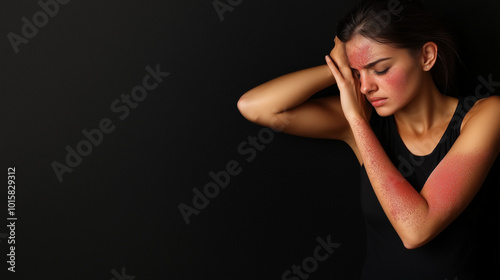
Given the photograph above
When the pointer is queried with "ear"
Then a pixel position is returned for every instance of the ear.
(429, 55)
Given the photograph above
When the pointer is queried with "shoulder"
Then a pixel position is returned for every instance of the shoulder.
(482, 122)
(489, 102)
(483, 108)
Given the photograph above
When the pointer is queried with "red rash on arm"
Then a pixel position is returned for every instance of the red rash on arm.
(397, 197)
(456, 170)
(419, 217)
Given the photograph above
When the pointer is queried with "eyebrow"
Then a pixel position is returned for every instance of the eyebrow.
(371, 64)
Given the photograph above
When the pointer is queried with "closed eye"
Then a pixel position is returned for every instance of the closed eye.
(382, 73)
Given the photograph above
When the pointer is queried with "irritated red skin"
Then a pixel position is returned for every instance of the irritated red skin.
(454, 172)
(362, 56)
(411, 213)
(395, 84)
(397, 79)
(394, 192)
(417, 217)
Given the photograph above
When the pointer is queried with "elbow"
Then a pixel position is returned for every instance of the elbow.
(247, 109)
(258, 110)
(417, 240)
(413, 244)
(242, 105)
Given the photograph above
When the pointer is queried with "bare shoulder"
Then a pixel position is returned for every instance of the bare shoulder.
(492, 101)
(484, 109)
(482, 123)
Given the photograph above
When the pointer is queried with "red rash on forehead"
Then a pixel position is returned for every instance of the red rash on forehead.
(360, 56)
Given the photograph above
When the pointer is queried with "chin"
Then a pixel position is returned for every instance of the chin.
(384, 111)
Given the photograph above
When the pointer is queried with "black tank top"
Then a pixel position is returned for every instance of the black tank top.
(450, 255)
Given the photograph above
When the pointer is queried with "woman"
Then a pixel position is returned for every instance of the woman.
(424, 155)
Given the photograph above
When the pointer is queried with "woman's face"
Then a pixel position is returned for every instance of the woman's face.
(390, 77)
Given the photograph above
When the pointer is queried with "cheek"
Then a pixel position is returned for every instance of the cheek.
(397, 85)
(397, 81)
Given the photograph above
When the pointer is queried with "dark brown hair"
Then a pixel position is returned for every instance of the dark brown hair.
(403, 24)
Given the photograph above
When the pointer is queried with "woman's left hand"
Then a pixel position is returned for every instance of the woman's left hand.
(352, 100)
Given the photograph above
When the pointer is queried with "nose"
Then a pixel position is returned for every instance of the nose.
(367, 84)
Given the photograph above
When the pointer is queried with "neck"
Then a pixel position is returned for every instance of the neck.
(428, 109)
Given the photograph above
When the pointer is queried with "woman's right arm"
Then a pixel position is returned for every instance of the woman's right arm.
(282, 104)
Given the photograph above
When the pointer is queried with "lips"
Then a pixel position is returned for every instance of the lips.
(377, 101)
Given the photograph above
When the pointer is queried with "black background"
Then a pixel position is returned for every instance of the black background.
(119, 207)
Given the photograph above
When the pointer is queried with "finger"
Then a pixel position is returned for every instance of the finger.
(346, 70)
(342, 63)
(337, 40)
(333, 68)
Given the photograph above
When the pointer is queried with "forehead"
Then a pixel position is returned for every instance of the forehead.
(361, 51)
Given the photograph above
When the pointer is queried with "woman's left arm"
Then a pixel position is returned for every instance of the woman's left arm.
(419, 217)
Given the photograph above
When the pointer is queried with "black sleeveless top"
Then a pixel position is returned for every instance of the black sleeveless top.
(450, 255)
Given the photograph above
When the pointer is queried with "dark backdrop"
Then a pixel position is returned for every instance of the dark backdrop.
(116, 214)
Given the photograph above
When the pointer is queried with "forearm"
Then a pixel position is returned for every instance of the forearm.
(286, 92)
(406, 209)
